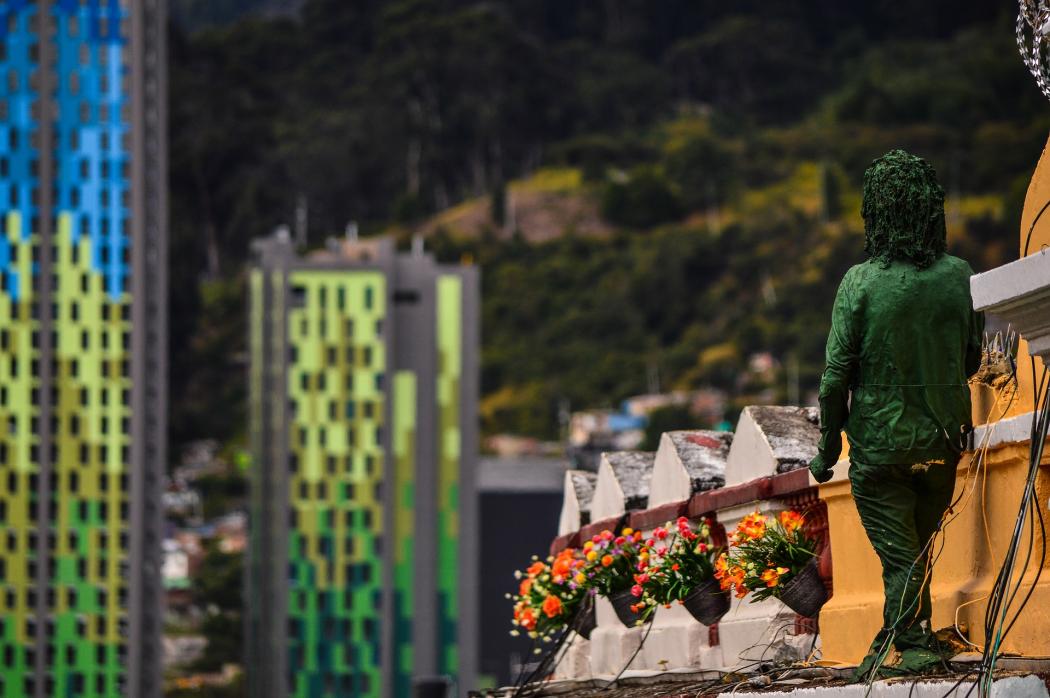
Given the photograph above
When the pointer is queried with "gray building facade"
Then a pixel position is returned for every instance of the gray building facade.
(363, 425)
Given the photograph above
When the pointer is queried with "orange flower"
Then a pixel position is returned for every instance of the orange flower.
(561, 567)
(772, 576)
(751, 527)
(721, 565)
(729, 576)
(607, 560)
(527, 619)
(535, 568)
(552, 606)
(791, 520)
(525, 586)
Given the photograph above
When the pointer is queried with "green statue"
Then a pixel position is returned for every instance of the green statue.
(904, 339)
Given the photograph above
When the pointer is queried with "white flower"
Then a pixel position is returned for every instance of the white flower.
(514, 633)
(517, 574)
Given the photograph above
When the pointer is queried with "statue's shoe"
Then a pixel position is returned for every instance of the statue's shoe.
(914, 662)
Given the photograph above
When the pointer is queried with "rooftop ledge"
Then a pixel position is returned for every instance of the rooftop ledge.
(1019, 293)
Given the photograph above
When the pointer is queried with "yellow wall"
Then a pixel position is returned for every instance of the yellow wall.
(975, 539)
(965, 570)
(1038, 195)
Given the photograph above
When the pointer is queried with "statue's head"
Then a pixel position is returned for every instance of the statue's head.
(903, 210)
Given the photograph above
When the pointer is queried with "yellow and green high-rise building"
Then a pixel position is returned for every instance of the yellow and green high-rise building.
(82, 346)
(363, 410)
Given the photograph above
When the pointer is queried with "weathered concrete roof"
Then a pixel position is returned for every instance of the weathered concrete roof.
(583, 483)
(792, 433)
(634, 472)
(703, 453)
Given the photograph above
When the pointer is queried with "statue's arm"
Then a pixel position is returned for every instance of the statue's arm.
(842, 357)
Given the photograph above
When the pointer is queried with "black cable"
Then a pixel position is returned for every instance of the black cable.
(1031, 229)
(1037, 445)
(1036, 458)
(1001, 598)
(958, 683)
(634, 654)
(1006, 571)
(519, 682)
(543, 668)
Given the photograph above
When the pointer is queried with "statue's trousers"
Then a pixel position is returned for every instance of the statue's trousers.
(901, 506)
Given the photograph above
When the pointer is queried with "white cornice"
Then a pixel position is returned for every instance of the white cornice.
(1019, 293)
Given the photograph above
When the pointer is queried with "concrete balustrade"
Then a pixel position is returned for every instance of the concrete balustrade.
(769, 440)
(687, 476)
(686, 462)
(623, 484)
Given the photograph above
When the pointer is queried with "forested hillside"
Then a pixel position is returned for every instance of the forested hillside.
(653, 189)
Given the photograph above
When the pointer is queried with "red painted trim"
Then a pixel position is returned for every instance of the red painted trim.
(783, 485)
(713, 500)
(657, 516)
(569, 540)
(790, 482)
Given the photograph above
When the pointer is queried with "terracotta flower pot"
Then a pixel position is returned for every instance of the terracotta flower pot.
(708, 602)
(805, 594)
(585, 620)
(621, 602)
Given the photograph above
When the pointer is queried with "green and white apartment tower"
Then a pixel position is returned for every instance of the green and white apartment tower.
(82, 346)
(363, 424)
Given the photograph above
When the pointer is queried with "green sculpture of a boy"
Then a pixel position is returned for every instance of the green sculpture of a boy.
(904, 340)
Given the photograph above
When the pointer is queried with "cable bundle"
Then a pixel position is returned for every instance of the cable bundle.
(1000, 616)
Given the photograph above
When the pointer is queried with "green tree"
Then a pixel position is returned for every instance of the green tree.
(663, 419)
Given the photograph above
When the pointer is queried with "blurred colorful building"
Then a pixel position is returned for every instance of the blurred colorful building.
(82, 346)
(363, 417)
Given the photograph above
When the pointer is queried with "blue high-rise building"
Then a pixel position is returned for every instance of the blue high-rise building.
(82, 339)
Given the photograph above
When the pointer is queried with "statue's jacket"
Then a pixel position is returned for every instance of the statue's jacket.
(903, 342)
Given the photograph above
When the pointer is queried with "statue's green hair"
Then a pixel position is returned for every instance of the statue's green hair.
(903, 211)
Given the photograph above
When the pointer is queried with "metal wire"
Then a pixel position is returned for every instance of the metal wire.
(1032, 21)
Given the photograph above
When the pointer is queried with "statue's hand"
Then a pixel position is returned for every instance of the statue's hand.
(822, 472)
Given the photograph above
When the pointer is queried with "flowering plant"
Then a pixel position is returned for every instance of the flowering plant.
(610, 561)
(548, 594)
(764, 555)
(674, 561)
